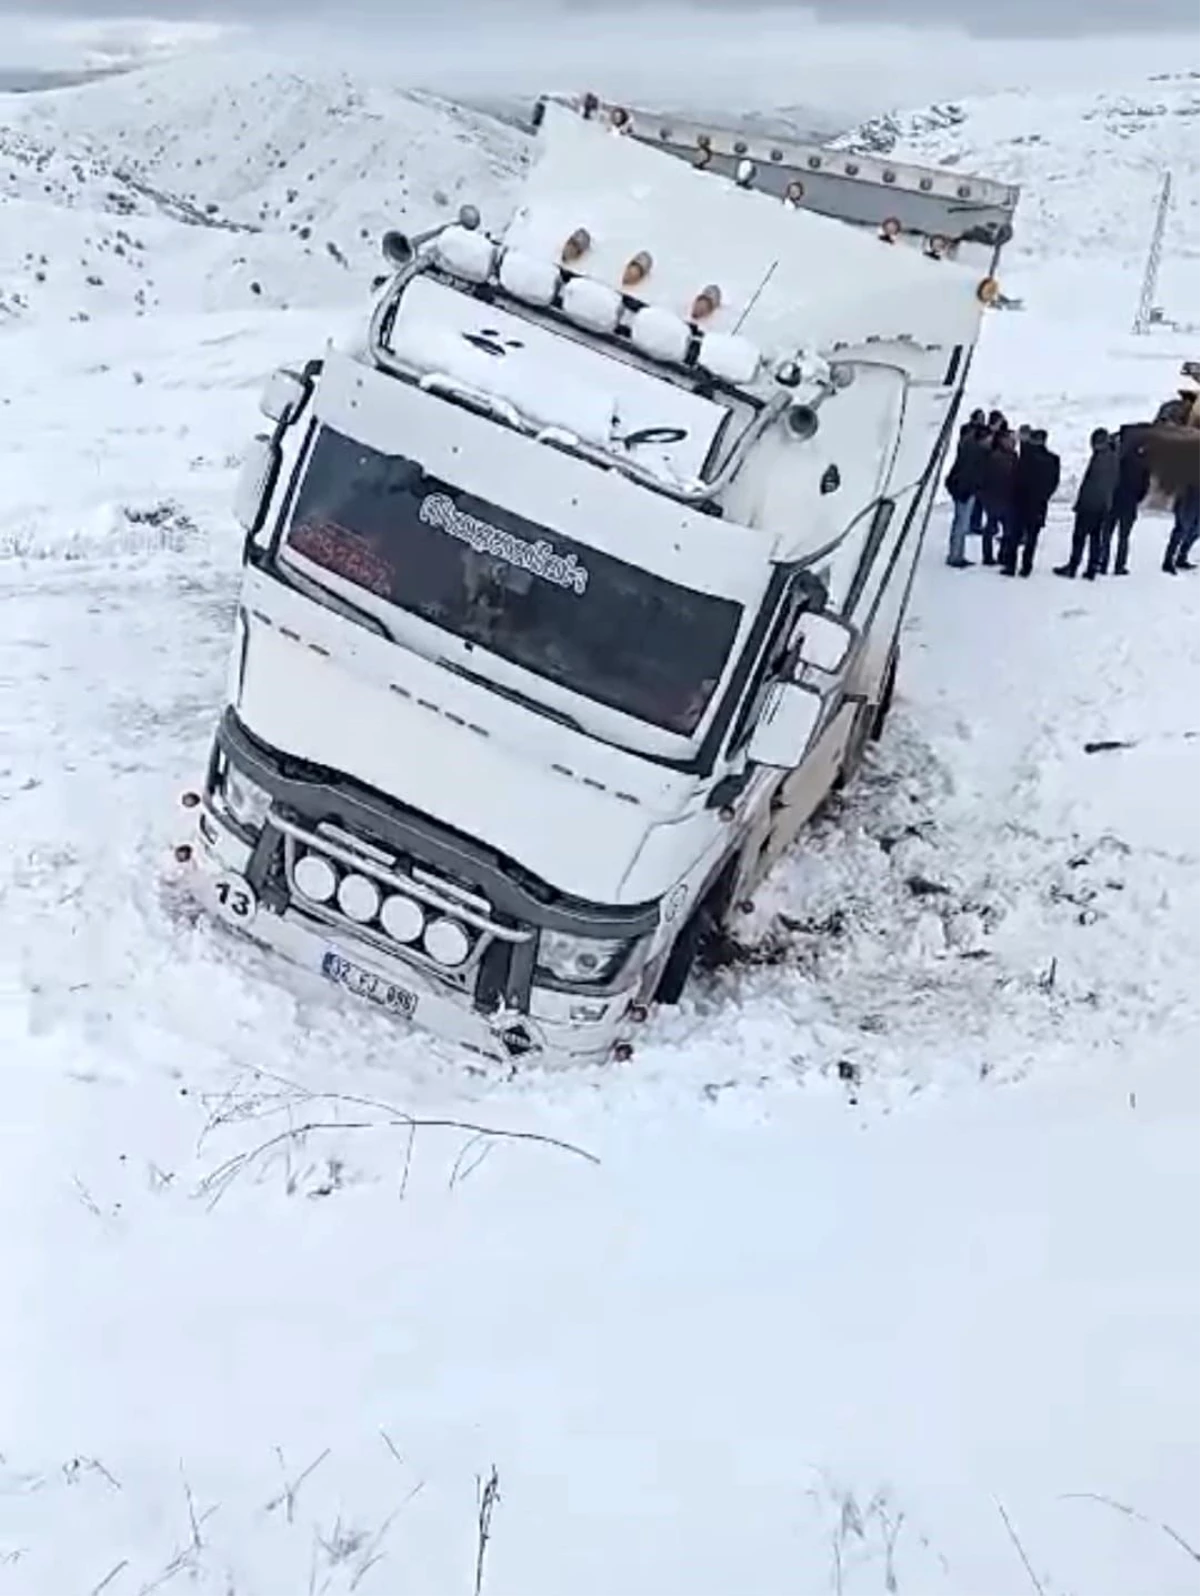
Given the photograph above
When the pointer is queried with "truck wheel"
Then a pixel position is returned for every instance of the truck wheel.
(700, 932)
(879, 721)
(678, 968)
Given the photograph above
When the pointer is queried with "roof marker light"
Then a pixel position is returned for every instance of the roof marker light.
(706, 302)
(638, 268)
(577, 246)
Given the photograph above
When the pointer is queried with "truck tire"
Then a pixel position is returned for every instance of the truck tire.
(677, 970)
(879, 720)
(699, 931)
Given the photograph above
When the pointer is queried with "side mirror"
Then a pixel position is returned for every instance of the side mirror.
(790, 716)
(825, 643)
(284, 396)
(254, 484)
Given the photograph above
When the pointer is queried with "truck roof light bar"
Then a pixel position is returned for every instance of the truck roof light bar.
(730, 350)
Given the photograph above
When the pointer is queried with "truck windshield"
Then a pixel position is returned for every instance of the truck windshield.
(610, 631)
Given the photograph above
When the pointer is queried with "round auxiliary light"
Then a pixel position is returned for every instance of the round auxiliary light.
(402, 919)
(890, 231)
(316, 878)
(988, 291)
(447, 942)
(794, 192)
(358, 899)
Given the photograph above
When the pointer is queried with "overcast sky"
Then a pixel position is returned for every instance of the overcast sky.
(1025, 18)
(718, 57)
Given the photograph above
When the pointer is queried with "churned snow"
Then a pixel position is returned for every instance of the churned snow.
(886, 1278)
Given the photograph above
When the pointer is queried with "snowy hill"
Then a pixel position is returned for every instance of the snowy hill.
(1089, 165)
(278, 186)
(884, 1279)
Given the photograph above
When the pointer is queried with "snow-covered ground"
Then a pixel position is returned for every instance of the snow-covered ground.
(876, 1270)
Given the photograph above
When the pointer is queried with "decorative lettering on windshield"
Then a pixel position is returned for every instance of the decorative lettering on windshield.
(438, 509)
(344, 552)
(603, 628)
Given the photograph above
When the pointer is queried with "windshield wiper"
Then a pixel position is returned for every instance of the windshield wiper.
(504, 691)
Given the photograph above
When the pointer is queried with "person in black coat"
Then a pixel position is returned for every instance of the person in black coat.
(1093, 506)
(1185, 530)
(963, 484)
(1037, 477)
(997, 492)
(990, 428)
(1133, 484)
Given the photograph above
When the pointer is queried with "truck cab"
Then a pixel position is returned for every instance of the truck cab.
(575, 583)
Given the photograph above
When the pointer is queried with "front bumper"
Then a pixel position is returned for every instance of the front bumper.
(559, 1028)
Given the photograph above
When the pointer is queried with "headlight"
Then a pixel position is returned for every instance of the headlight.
(245, 800)
(584, 961)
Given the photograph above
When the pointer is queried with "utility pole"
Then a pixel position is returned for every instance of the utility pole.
(1149, 314)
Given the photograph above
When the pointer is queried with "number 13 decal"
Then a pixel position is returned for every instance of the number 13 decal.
(235, 897)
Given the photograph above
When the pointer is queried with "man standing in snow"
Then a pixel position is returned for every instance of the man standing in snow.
(997, 491)
(1093, 506)
(1133, 484)
(963, 484)
(987, 427)
(1185, 530)
(1037, 477)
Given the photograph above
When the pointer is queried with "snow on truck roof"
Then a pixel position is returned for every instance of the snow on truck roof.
(862, 189)
(788, 278)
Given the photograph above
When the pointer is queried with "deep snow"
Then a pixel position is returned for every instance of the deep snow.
(892, 1235)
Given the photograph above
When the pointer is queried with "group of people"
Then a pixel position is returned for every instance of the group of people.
(1002, 483)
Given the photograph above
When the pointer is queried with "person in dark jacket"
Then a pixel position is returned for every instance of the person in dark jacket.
(988, 425)
(1185, 531)
(1133, 484)
(1093, 506)
(963, 484)
(997, 491)
(1037, 477)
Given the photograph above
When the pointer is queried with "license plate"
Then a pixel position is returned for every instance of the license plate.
(366, 984)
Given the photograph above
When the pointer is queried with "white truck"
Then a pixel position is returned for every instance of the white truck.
(575, 585)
